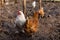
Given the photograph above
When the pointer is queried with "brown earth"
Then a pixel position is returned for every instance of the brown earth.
(49, 28)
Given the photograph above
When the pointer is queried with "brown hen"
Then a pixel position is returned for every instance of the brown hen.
(41, 11)
(32, 24)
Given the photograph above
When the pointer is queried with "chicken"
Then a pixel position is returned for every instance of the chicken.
(32, 24)
(20, 20)
(34, 4)
(41, 11)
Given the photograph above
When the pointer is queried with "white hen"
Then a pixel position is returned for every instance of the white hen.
(34, 4)
(20, 20)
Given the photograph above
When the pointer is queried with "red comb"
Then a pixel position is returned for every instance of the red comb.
(18, 13)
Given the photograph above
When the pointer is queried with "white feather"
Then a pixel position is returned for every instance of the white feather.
(34, 4)
(20, 19)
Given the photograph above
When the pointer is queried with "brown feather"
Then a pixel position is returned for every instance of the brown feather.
(32, 24)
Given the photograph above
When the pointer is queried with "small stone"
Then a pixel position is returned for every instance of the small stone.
(49, 10)
(49, 16)
(23, 31)
(16, 31)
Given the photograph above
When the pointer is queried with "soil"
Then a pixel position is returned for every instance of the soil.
(49, 25)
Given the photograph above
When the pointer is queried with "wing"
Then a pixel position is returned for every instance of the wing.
(31, 26)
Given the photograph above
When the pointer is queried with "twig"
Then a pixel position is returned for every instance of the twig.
(24, 7)
(40, 3)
